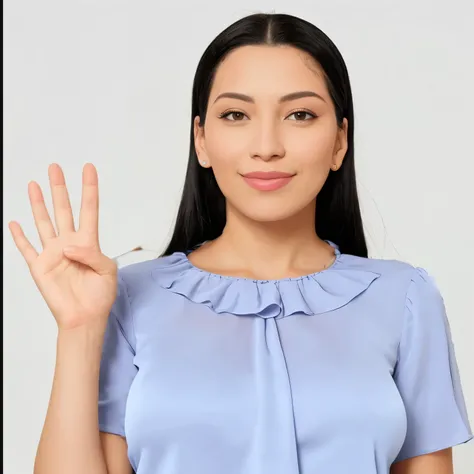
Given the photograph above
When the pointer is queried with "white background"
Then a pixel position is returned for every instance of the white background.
(110, 82)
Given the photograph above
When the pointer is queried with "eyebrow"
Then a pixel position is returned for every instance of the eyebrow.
(285, 98)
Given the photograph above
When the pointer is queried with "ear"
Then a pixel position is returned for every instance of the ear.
(341, 145)
(200, 143)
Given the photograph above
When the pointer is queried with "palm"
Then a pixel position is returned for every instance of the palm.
(75, 292)
(71, 286)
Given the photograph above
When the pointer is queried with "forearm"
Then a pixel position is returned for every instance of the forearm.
(70, 440)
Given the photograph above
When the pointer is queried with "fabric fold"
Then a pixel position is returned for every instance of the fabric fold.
(312, 294)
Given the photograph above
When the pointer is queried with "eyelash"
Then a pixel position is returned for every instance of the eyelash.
(229, 112)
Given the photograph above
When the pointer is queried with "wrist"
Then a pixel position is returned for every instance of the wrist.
(90, 335)
(95, 328)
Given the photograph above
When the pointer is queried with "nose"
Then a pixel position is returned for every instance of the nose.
(267, 144)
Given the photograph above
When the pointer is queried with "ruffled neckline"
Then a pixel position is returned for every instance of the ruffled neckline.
(316, 293)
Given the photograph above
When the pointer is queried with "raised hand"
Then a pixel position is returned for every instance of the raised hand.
(78, 282)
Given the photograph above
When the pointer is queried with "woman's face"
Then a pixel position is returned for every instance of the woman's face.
(264, 131)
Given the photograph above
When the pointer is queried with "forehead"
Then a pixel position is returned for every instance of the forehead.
(264, 70)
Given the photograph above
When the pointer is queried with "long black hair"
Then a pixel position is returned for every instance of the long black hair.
(202, 211)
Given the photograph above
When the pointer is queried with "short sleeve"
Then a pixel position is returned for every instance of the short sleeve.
(117, 369)
(427, 374)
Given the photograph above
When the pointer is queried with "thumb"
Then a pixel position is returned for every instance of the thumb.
(91, 257)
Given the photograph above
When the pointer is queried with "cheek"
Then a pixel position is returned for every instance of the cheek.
(311, 148)
(226, 151)
(312, 164)
(224, 162)
(223, 141)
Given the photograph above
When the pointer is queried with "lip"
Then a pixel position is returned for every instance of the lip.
(267, 175)
(267, 180)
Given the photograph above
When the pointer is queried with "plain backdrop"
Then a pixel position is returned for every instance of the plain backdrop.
(110, 82)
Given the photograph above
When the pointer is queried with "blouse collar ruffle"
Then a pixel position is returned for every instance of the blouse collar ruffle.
(312, 294)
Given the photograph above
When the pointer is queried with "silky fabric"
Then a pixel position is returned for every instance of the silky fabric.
(345, 370)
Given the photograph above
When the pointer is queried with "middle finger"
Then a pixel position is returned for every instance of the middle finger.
(62, 205)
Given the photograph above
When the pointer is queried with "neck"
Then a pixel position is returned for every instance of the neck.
(272, 250)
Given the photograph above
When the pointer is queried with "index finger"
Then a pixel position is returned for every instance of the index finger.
(89, 214)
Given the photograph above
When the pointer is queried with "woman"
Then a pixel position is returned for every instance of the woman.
(263, 340)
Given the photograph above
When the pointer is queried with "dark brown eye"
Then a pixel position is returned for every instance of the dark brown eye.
(301, 114)
(237, 116)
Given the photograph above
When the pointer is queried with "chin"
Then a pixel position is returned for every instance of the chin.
(270, 213)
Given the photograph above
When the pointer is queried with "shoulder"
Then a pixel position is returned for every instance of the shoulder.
(138, 271)
(400, 281)
(138, 277)
(391, 271)
(412, 288)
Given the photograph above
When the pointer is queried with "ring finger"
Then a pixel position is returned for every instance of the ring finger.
(40, 213)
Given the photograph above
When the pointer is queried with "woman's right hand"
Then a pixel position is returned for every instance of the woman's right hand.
(78, 282)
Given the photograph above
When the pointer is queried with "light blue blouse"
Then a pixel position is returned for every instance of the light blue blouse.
(346, 370)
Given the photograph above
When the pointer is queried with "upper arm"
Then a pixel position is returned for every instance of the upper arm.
(117, 368)
(117, 372)
(115, 454)
(439, 462)
(427, 377)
